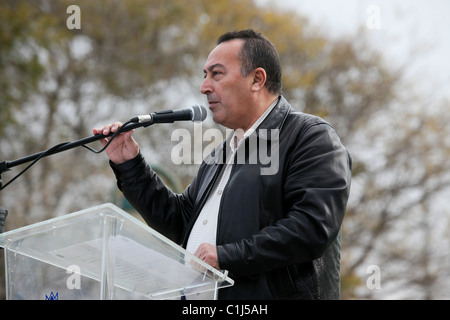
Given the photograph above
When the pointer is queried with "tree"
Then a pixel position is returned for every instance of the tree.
(19, 65)
(133, 57)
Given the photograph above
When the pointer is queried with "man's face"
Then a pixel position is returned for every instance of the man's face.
(228, 92)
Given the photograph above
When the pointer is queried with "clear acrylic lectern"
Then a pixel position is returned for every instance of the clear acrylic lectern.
(101, 253)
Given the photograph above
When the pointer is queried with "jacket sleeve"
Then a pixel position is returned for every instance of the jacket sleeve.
(316, 184)
(162, 209)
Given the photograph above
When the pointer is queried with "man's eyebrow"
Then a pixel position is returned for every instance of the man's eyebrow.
(211, 67)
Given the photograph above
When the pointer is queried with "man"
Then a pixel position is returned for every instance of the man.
(277, 232)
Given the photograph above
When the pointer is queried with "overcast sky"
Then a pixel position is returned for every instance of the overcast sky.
(412, 32)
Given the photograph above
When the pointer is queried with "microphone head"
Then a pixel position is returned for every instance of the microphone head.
(199, 113)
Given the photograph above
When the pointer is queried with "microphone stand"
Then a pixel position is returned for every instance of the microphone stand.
(6, 165)
(3, 213)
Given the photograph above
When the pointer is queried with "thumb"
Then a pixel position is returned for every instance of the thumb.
(127, 135)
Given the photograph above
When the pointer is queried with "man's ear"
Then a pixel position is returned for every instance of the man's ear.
(259, 79)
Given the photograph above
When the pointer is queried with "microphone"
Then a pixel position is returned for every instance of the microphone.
(195, 113)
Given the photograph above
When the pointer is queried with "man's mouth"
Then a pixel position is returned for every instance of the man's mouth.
(212, 103)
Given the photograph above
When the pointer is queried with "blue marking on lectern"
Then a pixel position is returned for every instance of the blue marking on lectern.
(52, 296)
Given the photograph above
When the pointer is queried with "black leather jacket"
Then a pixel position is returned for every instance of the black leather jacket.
(278, 234)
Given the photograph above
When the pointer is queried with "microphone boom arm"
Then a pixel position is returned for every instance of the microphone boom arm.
(6, 165)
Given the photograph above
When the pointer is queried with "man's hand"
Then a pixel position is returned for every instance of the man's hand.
(122, 148)
(208, 253)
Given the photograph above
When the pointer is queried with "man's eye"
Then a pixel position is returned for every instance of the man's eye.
(213, 74)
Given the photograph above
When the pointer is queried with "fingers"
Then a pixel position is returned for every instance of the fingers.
(124, 143)
(207, 253)
(105, 130)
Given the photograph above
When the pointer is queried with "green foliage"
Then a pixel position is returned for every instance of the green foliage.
(20, 69)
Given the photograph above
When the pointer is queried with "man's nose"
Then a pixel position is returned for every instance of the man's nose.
(206, 87)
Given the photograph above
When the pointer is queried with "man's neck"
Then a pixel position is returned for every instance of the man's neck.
(260, 109)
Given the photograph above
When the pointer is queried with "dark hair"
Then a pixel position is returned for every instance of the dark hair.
(257, 52)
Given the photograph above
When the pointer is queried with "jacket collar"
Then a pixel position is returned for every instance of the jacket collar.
(277, 116)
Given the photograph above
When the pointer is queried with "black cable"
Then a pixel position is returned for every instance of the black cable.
(110, 140)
